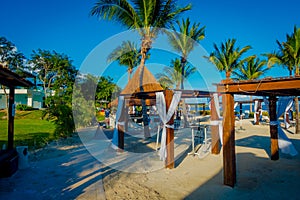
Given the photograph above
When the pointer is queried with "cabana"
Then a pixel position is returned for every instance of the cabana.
(11, 80)
(147, 89)
(269, 87)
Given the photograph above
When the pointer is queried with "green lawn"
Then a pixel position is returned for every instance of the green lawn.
(30, 129)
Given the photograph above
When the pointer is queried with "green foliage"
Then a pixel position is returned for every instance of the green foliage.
(171, 77)
(265, 113)
(227, 57)
(24, 107)
(126, 54)
(10, 57)
(61, 115)
(251, 69)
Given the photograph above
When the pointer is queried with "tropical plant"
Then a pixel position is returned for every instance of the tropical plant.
(171, 76)
(227, 57)
(289, 56)
(251, 69)
(147, 17)
(126, 54)
(280, 57)
(185, 40)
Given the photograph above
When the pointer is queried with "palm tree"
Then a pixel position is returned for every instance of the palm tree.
(147, 17)
(172, 75)
(185, 40)
(251, 69)
(228, 57)
(126, 54)
(289, 56)
(292, 48)
(280, 58)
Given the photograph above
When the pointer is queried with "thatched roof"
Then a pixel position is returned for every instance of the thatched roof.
(149, 83)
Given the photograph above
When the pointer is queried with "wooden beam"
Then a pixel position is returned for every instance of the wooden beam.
(215, 138)
(273, 128)
(11, 113)
(259, 86)
(169, 162)
(229, 160)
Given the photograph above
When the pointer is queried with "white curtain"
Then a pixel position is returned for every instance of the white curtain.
(287, 110)
(115, 139)
(284, 143)
(165, 117)
(255, 111)
(219, 121)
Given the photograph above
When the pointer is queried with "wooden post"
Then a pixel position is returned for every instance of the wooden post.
(215, 138)
(229, 161)
(241, 110)
(169, 162)
(121, 129)
(126, 117)
(11, 113)
(273, 128)
(203, 108)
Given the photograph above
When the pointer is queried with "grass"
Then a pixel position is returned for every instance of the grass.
(29, 129)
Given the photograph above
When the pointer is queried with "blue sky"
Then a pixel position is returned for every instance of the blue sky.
(66, 27)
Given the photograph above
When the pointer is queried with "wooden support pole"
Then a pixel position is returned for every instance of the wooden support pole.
(126, 118)
(121, 129)
(215, 138)
(11, 113)
(241, 110)
(229, 160)
(169, 162)
(273, 128)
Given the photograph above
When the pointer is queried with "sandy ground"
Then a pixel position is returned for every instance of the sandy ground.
(84, 168)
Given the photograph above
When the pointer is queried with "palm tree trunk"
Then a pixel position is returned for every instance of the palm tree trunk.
(297, 131)
(184, 110)
(146, 43)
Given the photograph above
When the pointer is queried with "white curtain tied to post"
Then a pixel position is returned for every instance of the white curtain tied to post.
(217, 122)
(284, 143)
(165, 117)
(286, 113)
(115, 139)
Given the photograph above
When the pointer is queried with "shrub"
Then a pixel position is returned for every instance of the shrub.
(23, 107)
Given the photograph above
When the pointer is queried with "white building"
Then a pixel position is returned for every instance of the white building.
(27, 97)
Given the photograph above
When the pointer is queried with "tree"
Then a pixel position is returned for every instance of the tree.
(227, 57)
(54, 70)
(126, 54)
(171, 76)
(59, 103)
(185, 40)
(106, 88)
(289, 56)
(280, 58)
(147, 17)
(251, 69)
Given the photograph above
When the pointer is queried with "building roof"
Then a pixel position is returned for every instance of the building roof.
(11, 79)
(147, 84)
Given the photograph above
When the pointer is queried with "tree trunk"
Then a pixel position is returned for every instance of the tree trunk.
(297, 131)
(146, 44)
(184, 110)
